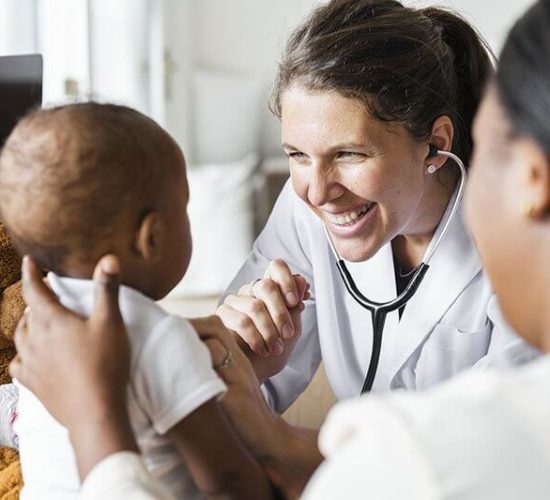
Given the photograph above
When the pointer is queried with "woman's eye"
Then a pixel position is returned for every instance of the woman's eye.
(297, 156)
(350, 155)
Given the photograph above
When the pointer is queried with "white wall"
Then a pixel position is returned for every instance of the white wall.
(493, 18)
(247, 36)
(233, 36)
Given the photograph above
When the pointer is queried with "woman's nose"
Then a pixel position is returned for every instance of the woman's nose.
(323, 185)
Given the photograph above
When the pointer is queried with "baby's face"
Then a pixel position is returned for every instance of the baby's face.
(177, 244)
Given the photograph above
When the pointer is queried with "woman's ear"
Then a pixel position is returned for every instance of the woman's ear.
(149, 237)
(535, 173)
(442, 139)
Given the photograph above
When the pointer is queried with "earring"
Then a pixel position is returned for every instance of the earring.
(432, 169)
(527, 210)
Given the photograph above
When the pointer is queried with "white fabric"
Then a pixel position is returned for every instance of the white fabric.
(482, 436)
(221, 216)
(122, 475)
(8, 411)
(228, 115)
(171, 376)
(451, 323)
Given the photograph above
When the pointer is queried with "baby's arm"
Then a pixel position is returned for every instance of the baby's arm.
(218, 462)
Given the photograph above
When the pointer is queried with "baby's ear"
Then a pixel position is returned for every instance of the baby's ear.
(149, 237)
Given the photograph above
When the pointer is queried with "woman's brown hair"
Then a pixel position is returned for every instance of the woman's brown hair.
(407, 65)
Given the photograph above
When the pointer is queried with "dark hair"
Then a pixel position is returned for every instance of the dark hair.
(523, 76)
(407, 65)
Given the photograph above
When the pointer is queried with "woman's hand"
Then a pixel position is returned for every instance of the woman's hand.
(266, 315)
(61, 354)
(288, 454)
(78, 367)
(244, 401)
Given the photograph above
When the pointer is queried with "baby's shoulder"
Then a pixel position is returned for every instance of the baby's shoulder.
(148, 323)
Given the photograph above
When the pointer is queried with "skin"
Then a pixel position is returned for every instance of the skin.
(341, 158)
(507, 172)
(155, 255)
(507, 206)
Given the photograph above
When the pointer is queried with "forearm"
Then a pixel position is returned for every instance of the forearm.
(100, 434)
(249, 483)
(290, 456)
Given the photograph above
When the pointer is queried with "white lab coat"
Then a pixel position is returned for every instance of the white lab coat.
(452, 322)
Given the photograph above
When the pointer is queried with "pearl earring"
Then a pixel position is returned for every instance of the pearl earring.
(432, 169)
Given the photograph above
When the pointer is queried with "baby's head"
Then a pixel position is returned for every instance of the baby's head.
(80, 181)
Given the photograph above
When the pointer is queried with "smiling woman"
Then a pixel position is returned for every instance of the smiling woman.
(362, 176)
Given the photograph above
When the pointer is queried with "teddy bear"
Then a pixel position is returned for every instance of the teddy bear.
(12, 307)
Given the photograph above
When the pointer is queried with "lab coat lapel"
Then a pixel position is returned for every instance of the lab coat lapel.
(453, 266)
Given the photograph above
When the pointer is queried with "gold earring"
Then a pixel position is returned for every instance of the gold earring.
(527, 210)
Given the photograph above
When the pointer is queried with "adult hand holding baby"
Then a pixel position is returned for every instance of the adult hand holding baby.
(272, 441)
(87, 366)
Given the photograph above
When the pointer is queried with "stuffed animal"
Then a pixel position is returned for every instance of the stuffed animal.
(11, 301)
(11, 310)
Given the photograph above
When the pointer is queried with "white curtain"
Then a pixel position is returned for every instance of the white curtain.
(92, 49)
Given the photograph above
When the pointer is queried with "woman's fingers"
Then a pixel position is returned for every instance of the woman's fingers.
(35, 292)
(107, 282)
(20, 339)
(250, 318)
(21, 332)
(280, 273)
(218, 351)
(269, 293)
(303, 287)
(261, 313)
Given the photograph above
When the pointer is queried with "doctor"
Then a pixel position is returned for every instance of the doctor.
(365, 91)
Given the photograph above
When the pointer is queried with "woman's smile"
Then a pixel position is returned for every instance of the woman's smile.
(350, 222)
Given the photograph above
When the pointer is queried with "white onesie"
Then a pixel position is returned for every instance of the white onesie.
(171, 376)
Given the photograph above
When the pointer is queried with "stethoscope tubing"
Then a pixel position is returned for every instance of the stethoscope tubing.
(379, 310)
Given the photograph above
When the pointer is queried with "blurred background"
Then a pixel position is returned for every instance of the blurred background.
(203, 69)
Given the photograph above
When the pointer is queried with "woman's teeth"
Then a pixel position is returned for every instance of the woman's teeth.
(351, 217)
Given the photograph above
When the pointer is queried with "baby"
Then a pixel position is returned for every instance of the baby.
(81, 181)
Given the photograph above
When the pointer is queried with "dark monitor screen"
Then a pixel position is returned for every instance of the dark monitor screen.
(20, 89)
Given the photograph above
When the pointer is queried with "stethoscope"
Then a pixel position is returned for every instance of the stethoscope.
(379, 310)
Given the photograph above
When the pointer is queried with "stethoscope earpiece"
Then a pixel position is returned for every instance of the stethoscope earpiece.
(433, 151)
